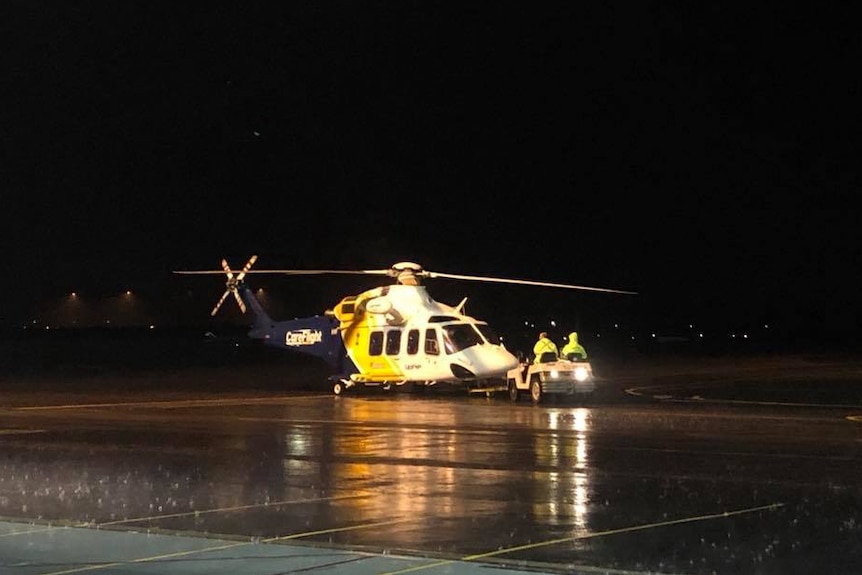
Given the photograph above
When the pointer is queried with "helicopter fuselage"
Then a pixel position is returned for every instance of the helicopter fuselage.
(392, 335)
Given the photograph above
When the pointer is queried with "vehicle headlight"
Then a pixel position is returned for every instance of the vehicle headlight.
(554, 374)
(581, 374)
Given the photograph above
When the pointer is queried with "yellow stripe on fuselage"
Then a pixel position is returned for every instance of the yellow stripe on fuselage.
(372, 367)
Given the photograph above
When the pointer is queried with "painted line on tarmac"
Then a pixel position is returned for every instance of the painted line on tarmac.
(855, 418)
(698, 399)
(232, 509)
(642, 392)
(550, 542)
(171, 404)
(195, 513)
(166, 556)
(44, 529)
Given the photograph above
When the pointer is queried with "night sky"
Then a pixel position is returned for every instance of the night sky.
(706, 157)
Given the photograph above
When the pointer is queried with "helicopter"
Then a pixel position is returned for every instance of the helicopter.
(390, 335)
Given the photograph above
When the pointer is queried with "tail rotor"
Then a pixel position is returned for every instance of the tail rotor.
(233, 283)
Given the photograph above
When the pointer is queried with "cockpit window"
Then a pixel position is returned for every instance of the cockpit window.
(489, 333)
(460, 336)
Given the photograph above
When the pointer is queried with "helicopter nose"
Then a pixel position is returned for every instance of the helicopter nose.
(489, 361)
(461, 372)
(507, 360)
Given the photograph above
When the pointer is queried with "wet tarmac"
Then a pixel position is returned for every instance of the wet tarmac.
(233, 460)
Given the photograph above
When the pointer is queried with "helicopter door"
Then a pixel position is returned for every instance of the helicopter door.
(383, 348)
(432, 348)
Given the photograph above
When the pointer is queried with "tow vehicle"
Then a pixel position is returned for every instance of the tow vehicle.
(553, 376)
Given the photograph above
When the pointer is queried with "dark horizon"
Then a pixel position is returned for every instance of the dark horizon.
(607, 325)
(704, 156)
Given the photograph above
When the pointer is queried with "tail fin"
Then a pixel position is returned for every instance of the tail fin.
(263, 324)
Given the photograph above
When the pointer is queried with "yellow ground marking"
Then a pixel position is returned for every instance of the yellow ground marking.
(184, 514)
(855, 418)
(549, 542)
(31, 531)
(99, 566)
(173, 403)
(231, 509)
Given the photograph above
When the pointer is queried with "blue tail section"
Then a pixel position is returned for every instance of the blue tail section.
(316, 335)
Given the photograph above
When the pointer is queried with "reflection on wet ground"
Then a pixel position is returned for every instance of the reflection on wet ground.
(674, 467)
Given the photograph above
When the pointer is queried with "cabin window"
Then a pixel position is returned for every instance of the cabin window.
(348, 305)
(413, 341)
(375, 343)
(393, 342)
(431, 345)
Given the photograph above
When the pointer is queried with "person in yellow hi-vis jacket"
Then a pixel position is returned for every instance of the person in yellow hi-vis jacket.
(543, 346)
(573, 347)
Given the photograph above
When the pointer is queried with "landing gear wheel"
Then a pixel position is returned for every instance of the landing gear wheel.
(513, 390)
(338, 388)
(536, 391)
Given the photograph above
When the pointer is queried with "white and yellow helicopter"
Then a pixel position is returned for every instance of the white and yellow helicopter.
(389, 335)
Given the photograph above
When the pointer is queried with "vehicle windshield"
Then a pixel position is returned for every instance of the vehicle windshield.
(460, 336)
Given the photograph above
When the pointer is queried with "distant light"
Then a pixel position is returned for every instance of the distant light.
(653, 335)
(745, 336)
(128, 292)
(152, 326)
(700, 334)
(616, 326)
(766, 326)
(553, 323)
(690, 326)
(73, 294)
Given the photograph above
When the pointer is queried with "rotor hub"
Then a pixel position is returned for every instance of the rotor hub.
(407, 273)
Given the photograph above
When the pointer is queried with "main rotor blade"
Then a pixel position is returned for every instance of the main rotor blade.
(319, 272)
(524, 282)
(289, 272)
